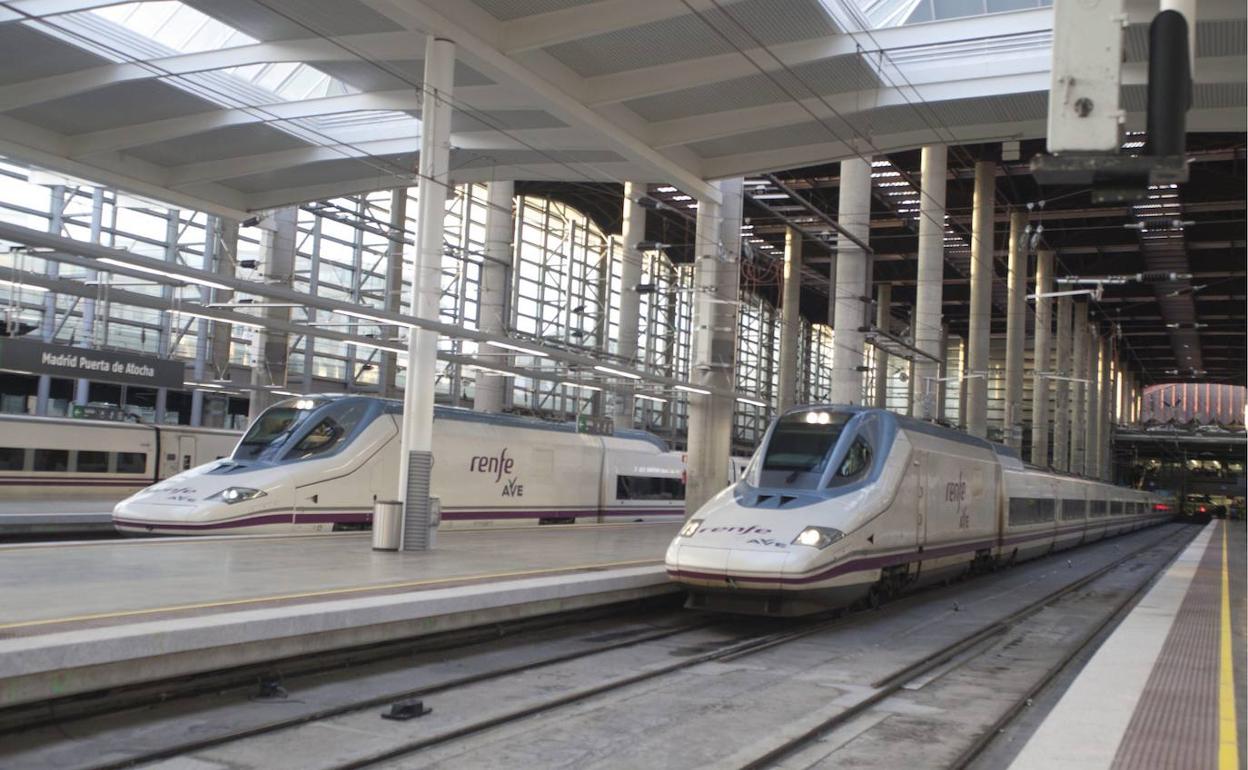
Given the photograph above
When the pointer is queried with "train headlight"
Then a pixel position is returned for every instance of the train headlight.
(690, 527)
(818, 537)
(237, 494)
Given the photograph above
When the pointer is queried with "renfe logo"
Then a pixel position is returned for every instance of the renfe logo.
(499, 466)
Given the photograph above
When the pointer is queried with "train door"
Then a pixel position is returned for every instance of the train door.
(186, 453)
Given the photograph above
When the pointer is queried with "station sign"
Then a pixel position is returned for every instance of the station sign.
(34, 357)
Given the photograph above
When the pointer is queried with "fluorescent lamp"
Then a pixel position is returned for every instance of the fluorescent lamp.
(207, 317)
(157, 271)
(646, 397)
(373, 318)
(571, 384)
(617, 372)
(519, 349)
(665, 189)
(691, 389)
(378, 345)
(488, 370)
(17, 285)
(752, 402)
(212, 385)
(286, 393)
(768, 196)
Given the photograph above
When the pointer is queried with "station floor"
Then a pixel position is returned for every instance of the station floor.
(1167, 689)
(57, 586)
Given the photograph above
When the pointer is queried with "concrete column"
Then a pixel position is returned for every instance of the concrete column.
(277, 257)
(1040, 380)
(790, 318)
(1091, 417)
(852, 278)
(434, 170)
(930, 284)
(1015, 330)
(394, 290)
(1061, 416)
(496, 288)
(883, 316)
(716, 284)
(980, 330)
(1105, 416)
(1079, 390)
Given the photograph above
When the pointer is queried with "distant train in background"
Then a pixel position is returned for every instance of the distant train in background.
(45, 459)
(318, 464)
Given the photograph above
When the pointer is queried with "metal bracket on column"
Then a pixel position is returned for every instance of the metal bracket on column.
(894, 346)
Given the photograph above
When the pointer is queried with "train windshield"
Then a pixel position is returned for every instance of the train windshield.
(330, 431)
(270, 432)
(800, 446)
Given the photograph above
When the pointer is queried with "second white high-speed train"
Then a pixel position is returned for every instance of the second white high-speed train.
(319, 464)
(844, 503)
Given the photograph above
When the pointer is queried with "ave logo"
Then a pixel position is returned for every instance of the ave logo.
(513, 488)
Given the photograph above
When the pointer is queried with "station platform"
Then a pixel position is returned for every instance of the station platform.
(1167, 688)
(56, 517)
(84, 616)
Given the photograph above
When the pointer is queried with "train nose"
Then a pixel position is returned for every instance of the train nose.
(729, 568)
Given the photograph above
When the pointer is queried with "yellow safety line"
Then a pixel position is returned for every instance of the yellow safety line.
(1228, 726)
(326, 592)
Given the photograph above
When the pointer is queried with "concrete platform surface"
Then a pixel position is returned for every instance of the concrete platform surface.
(81, 617)
(1166, 689)
(54, 517)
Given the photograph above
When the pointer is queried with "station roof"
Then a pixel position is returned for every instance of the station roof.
(239, 105)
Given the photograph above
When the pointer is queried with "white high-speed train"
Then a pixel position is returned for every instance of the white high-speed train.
(319, 463)
(47, 459)
(841, 504)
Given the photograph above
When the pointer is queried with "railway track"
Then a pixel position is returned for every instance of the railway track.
(641, 658)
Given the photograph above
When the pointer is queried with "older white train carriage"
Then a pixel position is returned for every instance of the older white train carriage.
(49, 459)
(319, 464)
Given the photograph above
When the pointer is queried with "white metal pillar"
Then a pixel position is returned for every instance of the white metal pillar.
(980, 331)
(1104, 417)
(166, 322)
(491, 391)
(930, 283)
(277, 256)
(1091, 417)
(852, 279)
(47, 330)
(632, 232)
(434, 170)
(1015, 330)
(790, 318)
(1040, 378)
(1062, 366)
(394, 290)
(716, 283)
(86, 336)
(1079, 389)
(221, 334)
(883, 308)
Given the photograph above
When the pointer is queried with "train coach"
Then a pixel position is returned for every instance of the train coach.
(44, 459)
(842, 504)
(319, 464)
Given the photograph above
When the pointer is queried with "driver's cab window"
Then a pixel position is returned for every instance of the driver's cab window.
(328, 434)
(856, 462)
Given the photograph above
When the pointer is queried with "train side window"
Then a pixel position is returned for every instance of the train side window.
(1046, 509)
(131, 462)
(1073, 509)
(856, 460)
(92, 462)
(1022, 511)
(12, 458)
(52, 460)
(648, 488)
